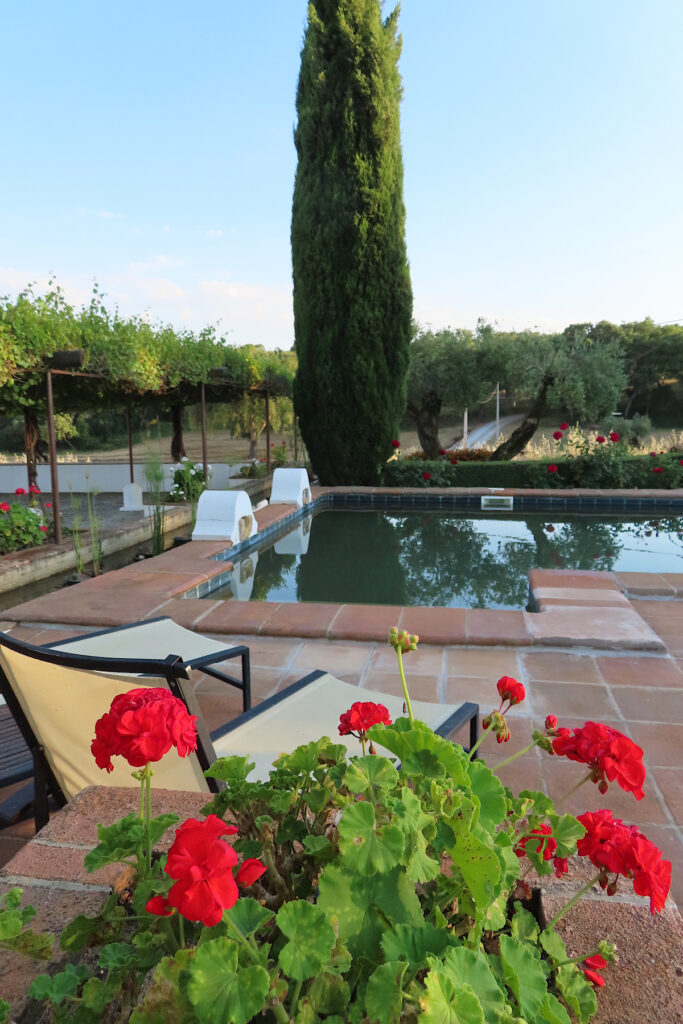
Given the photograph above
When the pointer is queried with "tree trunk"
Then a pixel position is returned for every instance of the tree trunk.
(177, 445)
(519, 438)
(427, 424)
(35, 447)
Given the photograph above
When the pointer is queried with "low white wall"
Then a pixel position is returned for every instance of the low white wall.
(105, 478)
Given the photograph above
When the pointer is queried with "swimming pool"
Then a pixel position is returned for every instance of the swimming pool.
(440, 559)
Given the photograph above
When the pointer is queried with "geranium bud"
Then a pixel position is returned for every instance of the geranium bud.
(486, 724)
(611, 888)
(551, 722)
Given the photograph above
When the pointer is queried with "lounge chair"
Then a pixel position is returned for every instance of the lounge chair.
(57, 696)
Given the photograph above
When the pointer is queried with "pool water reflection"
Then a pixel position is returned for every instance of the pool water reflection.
(444, 559)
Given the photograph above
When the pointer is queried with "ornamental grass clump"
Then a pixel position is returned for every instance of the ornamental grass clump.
(386, 886)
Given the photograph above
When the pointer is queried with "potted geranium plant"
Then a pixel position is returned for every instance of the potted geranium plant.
(381, 887)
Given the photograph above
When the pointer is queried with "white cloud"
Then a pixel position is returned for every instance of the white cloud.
(214, 233)
(109, 215)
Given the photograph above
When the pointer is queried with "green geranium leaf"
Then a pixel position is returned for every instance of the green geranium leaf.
(33, 944)
(232, 769)
(553, 945)
(470, 967)
(421, 752)
(523, 975)
(248, 915)
(479, 867)
(220, 993)
(307, 758)
(491, 794)
(10, 924)
(94, 931)
(118, 955)
(404, 942)
(319, 847)
(4, 1011)
(538, 803)
(365, 773)
(291, 830)
(62, 986)
(524, 926)
(361, 908)
(164, 1001)
(318, 798)
(576, 991)
(384, 996)
(446, 1003)
(328, 993)
(160, 825)
(98, 994)
(496, 914)
(116, 842)
(366, 847)
(566, 831)
(311, 939)
(12, 899)
(552, 1011)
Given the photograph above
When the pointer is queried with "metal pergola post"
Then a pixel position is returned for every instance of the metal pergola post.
(205, 458)
(52, 441)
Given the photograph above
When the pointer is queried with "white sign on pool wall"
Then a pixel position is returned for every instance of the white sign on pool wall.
(82, 477)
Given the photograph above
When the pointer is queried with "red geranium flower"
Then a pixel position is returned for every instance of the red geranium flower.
(442, 451)
(142, 725)
(552, 468)
(395, 444)
(551, 722)
(600, 439)
(43, 528)
(4, 507)
(608, 753)
(510, 690)
(20, 490)
(619, 849)
(33, 489)
(657, 469)
(614, 436)
(593, 965)
(564, 426)
(202, 863)
(558, 435)
(160, 906)
(249, 871)
(48, 504)
(361, 716)
(426, 476)
(547, 845)
(454, 462)
(653, 455)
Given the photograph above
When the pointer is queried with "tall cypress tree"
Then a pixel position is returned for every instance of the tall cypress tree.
(352, 294)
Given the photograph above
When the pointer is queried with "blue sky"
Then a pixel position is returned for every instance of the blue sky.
(148, 145)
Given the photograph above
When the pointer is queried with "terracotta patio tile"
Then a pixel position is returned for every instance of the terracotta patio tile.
(488, 662)
(189, 612)
(424, 688)
(561, 774)
(524, 773)
(661, 614)
(458, 689)
(673, 644)
(579, 596)
(577, 578)
(675, 580)
(648, 704)
(423, 661)
(346, 661)
(238, 617)
(571, 700)
(608, 628)
(640, 671)
(27, 634)
(486, 626)
(219, 708)
(557, 667)
(646, 583)
(305, 620)
(364, 622)
(435, 625)
(663, 744)
(670, 782)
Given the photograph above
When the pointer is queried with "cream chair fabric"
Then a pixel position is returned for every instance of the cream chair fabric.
(62, 706)
(309, 713)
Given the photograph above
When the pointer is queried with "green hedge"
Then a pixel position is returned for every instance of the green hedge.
(627, 471)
